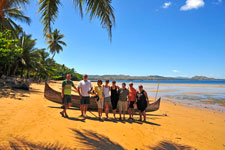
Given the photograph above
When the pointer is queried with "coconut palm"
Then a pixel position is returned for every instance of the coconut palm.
(55, 41)
(9, 11)
(101, 9)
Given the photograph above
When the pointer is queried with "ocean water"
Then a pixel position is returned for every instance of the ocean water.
(205, 93)
(176, 82)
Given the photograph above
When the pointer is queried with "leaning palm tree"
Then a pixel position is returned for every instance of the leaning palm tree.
(9, 11)
(101, 9)
(55, 41)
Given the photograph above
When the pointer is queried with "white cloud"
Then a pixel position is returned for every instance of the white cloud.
(192, 4)
(176, 71)
(166, 4)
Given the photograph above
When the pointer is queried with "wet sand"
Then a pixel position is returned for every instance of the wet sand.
(29, 121)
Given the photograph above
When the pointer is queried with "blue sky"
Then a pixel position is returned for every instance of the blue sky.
(157, 37)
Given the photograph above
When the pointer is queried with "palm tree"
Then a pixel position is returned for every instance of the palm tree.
(55, 41)
(30, 58)
(10, 10)
(101, 9)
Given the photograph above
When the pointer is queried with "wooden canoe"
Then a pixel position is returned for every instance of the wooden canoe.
(55, 96)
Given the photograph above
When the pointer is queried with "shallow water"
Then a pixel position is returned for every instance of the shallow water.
(205, 94)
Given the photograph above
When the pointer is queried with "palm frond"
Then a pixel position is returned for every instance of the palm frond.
(103, 10)
(63, 43)
(16, 14)
(79, 4)
(49, 12)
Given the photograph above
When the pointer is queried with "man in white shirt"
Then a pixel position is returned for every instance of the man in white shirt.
(84, 90)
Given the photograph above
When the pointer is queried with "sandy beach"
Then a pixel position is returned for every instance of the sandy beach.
(29, 121)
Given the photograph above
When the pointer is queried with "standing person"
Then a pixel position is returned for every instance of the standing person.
(66, 94)
(114, 97)
(132, 98)
(100, 98)
(142, 102)
(107, 98)
(123, 94)
(84, 89)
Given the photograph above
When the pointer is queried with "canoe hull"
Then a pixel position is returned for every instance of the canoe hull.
(55, 96)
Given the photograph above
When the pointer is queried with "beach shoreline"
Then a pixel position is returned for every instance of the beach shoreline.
(29, 120)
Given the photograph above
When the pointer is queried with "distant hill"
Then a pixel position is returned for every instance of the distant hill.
(151, 77)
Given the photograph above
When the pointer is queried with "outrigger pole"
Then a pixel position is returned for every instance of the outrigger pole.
(157, 90)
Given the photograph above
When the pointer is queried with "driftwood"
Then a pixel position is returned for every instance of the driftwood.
(15, 83)
(55, 96)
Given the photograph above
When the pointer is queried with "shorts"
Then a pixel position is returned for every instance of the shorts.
(107, 99)
(85, 100)
(131, 105)
(122, 105)
(100, 103)
(67, 99)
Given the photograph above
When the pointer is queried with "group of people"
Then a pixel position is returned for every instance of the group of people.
(125, 99)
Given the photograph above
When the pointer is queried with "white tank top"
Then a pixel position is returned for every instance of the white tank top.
(106, 91)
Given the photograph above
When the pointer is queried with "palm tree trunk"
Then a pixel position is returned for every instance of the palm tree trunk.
(53, 55)
(14, 72)
(9, 70)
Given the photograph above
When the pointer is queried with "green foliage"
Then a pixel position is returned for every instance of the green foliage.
(19, 57)
(9, 49)
(10, 10)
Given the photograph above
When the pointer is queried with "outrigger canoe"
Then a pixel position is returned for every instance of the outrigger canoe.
(55, 96)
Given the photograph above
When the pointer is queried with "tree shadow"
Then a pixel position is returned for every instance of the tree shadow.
(21, 143)
(76, 119)
(167, 145)
(95, 140)
(113, 120)
(60, 107)
(17, 94)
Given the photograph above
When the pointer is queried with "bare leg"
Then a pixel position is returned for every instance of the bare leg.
(129, 111)
(144, 114)
(85, 109)
(81, 109)
(132, 113)
(107, 109)
(114, 113)
(66, 107)
(140, 115)
(99, 112)
(124, 115)
(120, 112)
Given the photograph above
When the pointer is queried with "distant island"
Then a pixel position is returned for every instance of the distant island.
(151, 77)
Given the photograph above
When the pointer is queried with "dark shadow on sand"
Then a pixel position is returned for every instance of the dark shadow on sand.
(59, 107)
(112, 120)
(167, 145)
(16, 94)
(95, 140)
(76, 119)
(22, 144)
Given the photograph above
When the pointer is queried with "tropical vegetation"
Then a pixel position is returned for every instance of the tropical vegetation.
(20, 58)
